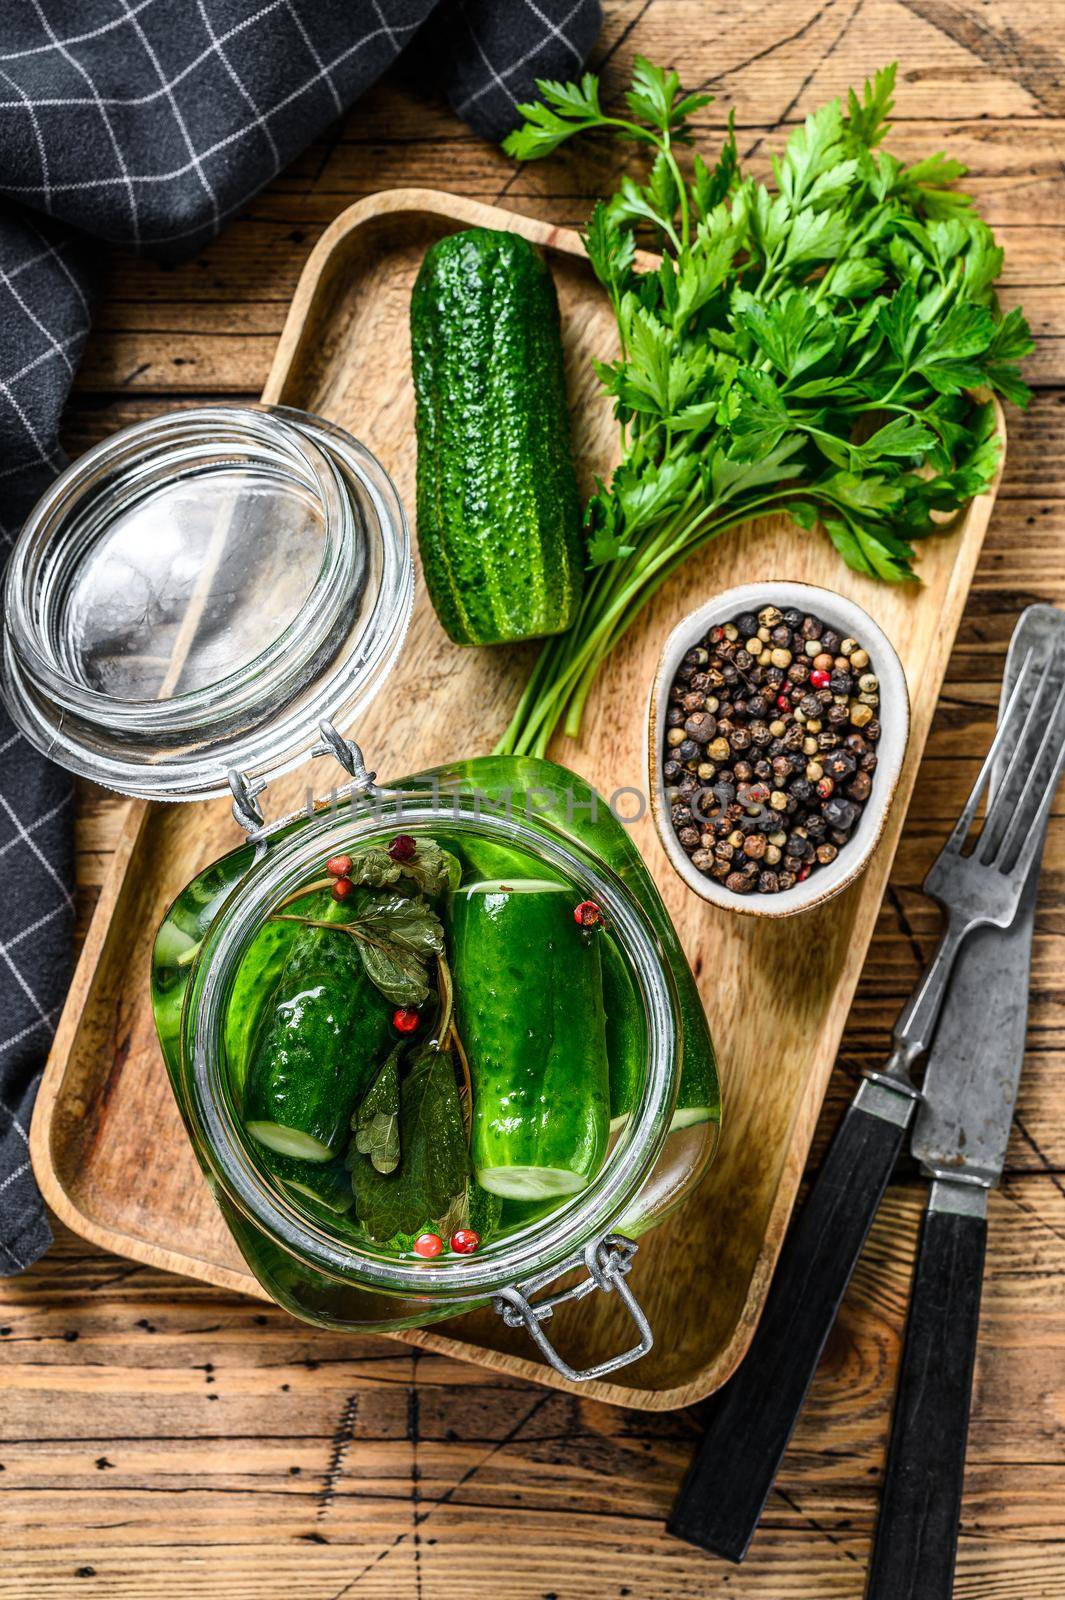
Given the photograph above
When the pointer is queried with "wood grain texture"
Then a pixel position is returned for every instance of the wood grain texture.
(120, 1469)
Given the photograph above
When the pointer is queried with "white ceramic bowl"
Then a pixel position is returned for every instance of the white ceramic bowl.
(852, 621)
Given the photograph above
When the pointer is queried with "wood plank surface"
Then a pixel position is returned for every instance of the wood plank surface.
(158, 1433)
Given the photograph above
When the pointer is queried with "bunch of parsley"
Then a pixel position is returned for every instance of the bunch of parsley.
(828, 350)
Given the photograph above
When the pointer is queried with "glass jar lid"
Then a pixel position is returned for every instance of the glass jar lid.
(195, 593)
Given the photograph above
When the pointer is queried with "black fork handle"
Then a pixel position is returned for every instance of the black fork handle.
(917, 1532)
(751, 1421)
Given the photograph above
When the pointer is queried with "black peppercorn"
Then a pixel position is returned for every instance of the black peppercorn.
(701, 727)
(780, 742)
(860, 786)
(838, 764)
(840, 813)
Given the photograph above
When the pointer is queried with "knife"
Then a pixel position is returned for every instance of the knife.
(960, 1135)
(749, 1421)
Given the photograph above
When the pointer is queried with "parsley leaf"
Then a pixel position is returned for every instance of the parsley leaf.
(823, 345)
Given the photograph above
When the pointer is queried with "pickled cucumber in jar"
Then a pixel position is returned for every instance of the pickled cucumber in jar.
(433, 1043)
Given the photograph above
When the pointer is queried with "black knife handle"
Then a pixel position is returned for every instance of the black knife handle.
(917, 1533)
(751, 1420)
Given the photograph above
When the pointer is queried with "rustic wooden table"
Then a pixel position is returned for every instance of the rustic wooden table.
(157, 1434)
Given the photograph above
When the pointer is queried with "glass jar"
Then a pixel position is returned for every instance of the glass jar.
(190, 596)
(159, 637)
(317, 1270)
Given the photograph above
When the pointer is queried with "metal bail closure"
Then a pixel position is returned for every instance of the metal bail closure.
(607, 1260)
(246, 809)
(349, 756)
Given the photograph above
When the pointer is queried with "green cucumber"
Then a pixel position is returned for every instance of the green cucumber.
(314, 1052)
(326, 1183)
(529, 1007)
(499, 518)
(257, 977)
(626, 1043)
(698, 1097)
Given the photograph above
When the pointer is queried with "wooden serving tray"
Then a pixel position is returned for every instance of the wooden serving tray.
(108, 1147)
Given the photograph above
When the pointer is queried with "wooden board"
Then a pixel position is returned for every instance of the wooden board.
(160, 1431)
(108, 1146)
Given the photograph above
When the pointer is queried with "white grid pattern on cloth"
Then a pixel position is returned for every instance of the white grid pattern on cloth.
(148, 123)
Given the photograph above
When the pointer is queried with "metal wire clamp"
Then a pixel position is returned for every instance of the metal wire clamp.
(347, 753)
(607, 1261)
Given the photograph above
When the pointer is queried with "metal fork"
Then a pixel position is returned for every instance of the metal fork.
(983, 887)
(750, 1421)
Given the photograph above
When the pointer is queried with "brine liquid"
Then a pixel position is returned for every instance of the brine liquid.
(545, 1038)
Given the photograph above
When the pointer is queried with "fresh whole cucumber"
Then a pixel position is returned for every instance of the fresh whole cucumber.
(499, 519)
(314, 1051)
(529, 1007)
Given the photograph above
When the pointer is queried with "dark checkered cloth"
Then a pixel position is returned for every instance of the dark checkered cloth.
(147, 123)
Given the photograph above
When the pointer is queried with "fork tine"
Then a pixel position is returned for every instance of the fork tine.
(1055, 733)
(1007, 799)
(960, 830)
